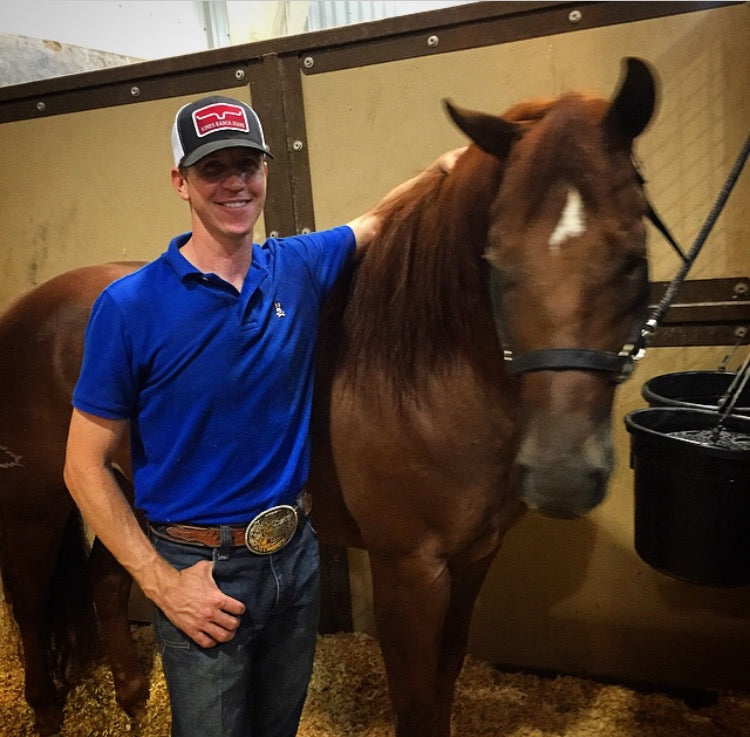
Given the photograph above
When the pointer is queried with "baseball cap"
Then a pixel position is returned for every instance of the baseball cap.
(213, 123)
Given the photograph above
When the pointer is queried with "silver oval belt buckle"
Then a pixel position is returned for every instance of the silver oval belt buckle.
(271, 530)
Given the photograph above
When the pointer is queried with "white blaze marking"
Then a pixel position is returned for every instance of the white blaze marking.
(572, 221)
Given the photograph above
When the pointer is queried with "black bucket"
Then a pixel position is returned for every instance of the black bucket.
(695, 389)
(692, 500)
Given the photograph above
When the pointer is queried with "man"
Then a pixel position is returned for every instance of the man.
(205, 358)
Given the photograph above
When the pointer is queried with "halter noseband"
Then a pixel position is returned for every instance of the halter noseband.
(620, 365)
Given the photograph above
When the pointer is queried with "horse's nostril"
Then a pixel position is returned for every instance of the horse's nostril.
(561, 492)
(598, 487)
(556, 512)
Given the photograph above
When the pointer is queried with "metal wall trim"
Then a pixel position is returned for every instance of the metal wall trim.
(277, 98)
(457, 27)
(92, 91)
(705, 312)
(515, 21)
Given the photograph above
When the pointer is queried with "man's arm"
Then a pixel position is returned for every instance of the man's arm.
(367, 226)
(189, 598)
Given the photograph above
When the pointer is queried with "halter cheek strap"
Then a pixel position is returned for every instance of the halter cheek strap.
(656, 221)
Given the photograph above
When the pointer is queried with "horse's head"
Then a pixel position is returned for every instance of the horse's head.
(569, 277)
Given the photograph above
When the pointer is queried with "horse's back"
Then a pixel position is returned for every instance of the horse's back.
(61, 296)
(52, 316)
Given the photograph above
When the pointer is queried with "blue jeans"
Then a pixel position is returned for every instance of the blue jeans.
(255, 684)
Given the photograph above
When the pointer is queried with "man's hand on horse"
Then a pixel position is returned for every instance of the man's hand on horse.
(445, 162)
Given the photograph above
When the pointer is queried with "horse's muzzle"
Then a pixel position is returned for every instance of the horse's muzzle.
(563, 470)
(565, 490)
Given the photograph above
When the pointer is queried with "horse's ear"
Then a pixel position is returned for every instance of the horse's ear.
(491, 133)
(634, 102)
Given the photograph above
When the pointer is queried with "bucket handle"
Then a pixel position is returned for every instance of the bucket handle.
(740, 332)
(729, 399)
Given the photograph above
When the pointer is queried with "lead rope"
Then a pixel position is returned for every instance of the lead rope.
(649, 328)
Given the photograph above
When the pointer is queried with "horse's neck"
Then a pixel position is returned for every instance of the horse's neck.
(421, 298)
(466, 210)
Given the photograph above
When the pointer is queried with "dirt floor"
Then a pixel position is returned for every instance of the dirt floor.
(347, 698)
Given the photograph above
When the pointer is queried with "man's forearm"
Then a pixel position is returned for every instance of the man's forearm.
(110, 516)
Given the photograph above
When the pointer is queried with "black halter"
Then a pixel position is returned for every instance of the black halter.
(619, 365)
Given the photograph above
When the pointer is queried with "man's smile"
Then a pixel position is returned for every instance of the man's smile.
(235, 204)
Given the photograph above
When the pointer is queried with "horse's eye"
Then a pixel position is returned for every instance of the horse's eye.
(634, 265)
(634, 280)
(504, 278)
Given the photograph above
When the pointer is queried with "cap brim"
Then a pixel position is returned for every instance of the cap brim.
(209, 148)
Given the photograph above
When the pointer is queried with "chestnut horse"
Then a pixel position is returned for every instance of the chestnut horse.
(467, 367)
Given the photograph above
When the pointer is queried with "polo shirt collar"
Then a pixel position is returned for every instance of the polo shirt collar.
(186, 270)
(176, 260)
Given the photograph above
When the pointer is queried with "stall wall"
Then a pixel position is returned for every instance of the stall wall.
(574, 596)
(94, 186)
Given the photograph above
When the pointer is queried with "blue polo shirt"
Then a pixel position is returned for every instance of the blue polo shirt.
(217, 384)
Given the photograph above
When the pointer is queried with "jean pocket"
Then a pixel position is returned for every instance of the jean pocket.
(169, 636)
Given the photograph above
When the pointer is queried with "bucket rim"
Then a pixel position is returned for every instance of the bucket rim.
(733, 422)
(702, 372)
(651, 390)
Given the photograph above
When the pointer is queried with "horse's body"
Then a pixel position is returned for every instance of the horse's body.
(426, 447)
(43, 556)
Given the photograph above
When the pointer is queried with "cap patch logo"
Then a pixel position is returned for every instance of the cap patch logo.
(219, 116)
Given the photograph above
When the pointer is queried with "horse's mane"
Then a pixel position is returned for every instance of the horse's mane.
(418, 295)
(402, 313)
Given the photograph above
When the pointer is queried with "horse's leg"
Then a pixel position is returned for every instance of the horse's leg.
(32, 547)
(39, 688)
(111, 590)
(40, 691)
(111, 585)
(466, 581)
(411, 597)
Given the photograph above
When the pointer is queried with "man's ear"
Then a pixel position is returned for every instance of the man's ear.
(179, 182)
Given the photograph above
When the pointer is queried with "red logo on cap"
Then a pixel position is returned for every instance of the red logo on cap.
(218, 116)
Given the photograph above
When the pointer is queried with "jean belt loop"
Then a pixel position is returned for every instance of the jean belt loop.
(226, 541)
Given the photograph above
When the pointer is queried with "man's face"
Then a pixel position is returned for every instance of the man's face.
(226, 190)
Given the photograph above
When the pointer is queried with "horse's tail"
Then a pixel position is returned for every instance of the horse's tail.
(72, 634)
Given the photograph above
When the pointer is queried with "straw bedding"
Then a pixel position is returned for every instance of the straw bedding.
(347, 698)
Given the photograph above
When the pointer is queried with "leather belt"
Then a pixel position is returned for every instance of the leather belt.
(267, 533)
